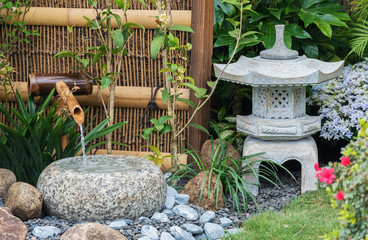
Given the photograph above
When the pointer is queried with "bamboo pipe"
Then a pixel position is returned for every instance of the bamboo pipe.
(74, 16)
(68, 98)
(129, 97)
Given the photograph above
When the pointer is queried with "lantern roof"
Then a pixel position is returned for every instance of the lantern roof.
(279, 66)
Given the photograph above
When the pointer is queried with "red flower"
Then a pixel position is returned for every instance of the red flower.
(327, 175)
(318, 169)
(345, 161)
(339, 196)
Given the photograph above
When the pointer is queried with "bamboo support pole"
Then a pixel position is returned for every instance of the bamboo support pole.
(129, 97)
(74, 16)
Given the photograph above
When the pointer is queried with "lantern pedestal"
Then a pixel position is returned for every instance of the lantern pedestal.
(304, 151)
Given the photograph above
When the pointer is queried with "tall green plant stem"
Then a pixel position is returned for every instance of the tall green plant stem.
(112, 85)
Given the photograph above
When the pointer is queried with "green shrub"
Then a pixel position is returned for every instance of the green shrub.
(350, 188)
(31, 138)
(228, 170)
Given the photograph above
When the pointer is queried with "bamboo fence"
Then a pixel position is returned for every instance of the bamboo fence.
(139, 71)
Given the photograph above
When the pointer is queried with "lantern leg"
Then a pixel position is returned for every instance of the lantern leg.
(304, 151)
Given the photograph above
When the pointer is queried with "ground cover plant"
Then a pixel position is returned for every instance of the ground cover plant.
(308, 217)
(31, 137)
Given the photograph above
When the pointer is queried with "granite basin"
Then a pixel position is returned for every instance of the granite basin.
(104, 187)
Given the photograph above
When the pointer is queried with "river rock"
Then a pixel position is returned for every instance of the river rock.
(182, 199)
(162, 217)
(169, 202)
(186, 212)
(208, 202)
(7, 178)
(180, 233)
(150, 232)
(206, 152)
(118, 224)
(225, 222)
(166, 236)
(45, 231)
(208, 216)
(24, 201)
(192, 228)
(11, 227)
(214, 231)
(89, 231)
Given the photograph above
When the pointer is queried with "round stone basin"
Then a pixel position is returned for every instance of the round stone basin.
(104, 187)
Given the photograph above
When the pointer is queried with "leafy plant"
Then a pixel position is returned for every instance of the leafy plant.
(309, 27)
(342, 102)
(349, 186)
(229, 172)
(225, 126)
(31, 139)
(110, 52)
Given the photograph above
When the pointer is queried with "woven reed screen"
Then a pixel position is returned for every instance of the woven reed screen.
(138, 69)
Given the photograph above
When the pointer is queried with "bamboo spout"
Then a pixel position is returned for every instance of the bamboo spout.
(72, 104)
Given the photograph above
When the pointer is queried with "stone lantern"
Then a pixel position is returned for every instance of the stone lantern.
(279, 125)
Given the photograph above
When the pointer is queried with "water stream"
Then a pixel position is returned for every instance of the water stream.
(83, 144)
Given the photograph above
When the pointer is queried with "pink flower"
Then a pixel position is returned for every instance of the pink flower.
(339, 196)
(1, 4)
(14, 9)
(327, 175)
(345, 161)
(318, 169)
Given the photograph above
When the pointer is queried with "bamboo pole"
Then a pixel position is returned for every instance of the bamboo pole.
(130, 97)
(74, 16)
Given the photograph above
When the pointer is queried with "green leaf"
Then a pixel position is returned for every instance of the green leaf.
(142, 2)
(332, 20)
(270, 35)
(105, 82)
(156, 44)
(323, 26)
(174, 67)
(306, 17)
(118, 39)
(308, 3)
(97, 57)
(120, 3)
(165, 94)
(199, 127)
(276, 13)
(85, 62)
(224, 41)
(187, 101)
(164, 119)
(181, 28)
(154, 149)
(117, 18)
(296, 31)
(228, 9)
(311, 50)
(167, 128)
(131, 24)
(65, 54)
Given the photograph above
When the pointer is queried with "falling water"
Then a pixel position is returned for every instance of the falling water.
(83, 144)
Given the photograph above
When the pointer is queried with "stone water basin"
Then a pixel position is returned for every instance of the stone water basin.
(105, 187)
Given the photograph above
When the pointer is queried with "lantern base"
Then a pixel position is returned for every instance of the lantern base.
(303, 150)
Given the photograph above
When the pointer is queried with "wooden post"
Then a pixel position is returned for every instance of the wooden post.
(201, 56)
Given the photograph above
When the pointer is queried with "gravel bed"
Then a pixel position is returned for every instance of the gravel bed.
(270, 198)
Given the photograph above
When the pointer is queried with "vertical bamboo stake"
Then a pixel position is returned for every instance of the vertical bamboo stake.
(201, 57)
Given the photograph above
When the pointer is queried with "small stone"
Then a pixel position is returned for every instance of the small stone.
(225, 222)
(7, 178)
(168, 211)
(171, 191)
(208, 216)
(180, 233)
(214, 231)
(166, 236)
(88, 231)
(11, 227)
(192, 228)
(182, 199)
(162, 217)
(143, 220)
(167, 175)
(186, 212)
(144, 238)
(24, 201)
(201, 237)
(46, 231)
(150, 232)
(169, 202)
(118, 224)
